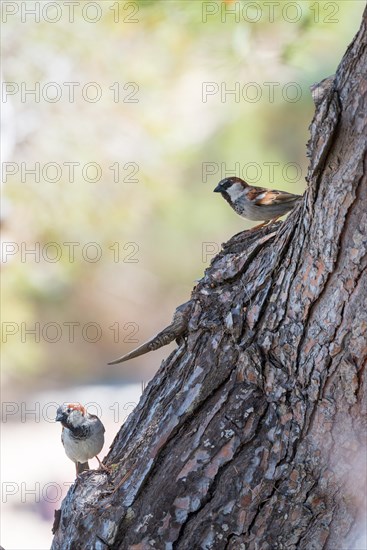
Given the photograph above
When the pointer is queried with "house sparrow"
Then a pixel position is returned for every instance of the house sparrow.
(82, 435)
(256, 203)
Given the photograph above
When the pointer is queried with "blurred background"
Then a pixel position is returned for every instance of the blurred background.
(118, 120)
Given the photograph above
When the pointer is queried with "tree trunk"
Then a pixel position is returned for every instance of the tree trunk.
(251, 434)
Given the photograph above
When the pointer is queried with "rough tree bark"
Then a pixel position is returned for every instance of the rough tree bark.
(251, 434)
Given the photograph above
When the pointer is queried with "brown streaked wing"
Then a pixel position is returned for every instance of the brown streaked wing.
(256, 193)
(274, 197)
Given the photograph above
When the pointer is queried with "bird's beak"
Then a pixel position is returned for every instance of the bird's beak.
(218, 189)
(59, 417)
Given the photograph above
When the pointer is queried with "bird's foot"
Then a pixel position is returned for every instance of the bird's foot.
(104, 467)
(267, 222)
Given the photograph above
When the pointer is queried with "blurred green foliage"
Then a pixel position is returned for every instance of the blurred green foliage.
(168, 134)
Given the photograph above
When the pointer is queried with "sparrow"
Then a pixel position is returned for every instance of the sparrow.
(82, 435)
(256, 203)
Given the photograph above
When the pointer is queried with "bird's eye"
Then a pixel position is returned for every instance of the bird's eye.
(68, 410)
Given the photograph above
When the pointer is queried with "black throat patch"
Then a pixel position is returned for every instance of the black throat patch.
(79, 432)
